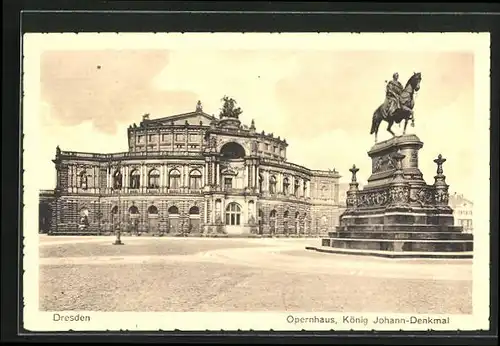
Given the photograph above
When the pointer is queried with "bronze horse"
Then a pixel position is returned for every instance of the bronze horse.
(403, 112)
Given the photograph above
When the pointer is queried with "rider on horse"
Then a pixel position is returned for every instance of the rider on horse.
(392, 92)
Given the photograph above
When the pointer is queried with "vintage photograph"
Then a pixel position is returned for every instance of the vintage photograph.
(318, 181)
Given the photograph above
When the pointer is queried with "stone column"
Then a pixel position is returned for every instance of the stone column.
(70, 178)
(257, 177)
(108, 179)
(205, 175)
(143, 177)
(279, 183)
(163, 176)
(126, 177)
(247, 175)
(205, 218)
(217, 176)
(213, 172)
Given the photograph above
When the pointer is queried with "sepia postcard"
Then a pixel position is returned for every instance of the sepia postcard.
(256, 181)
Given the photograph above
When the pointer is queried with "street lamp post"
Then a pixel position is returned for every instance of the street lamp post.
(118, 240)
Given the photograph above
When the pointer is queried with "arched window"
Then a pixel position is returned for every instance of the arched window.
(286, 186)
(251, 213)
(135, 179)
(133, 210)
(114, 210)
(272, 221)
(272, 185)
(285, 222)
(117, 180)
(152, 210)
(83, 180)
(154, 179)
(194, 219)
(233, 214)
(195, 180)
(261, 180)
(84, 216)
(194, 210)
(173, 210)
(305, 189)
(297, 214)
(296, 188)
(174, 179)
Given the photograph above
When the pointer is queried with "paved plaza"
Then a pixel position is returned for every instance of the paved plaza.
(209, 274)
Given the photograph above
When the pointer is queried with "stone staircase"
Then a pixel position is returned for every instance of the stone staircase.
(400, 241)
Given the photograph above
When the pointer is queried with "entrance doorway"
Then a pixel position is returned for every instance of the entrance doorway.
(261, 222)
(134, 215)
(173, 219)
(153, 219)
(272, 222)
(194, 220)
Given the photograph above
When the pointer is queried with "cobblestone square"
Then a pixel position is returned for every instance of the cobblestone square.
(203, 274)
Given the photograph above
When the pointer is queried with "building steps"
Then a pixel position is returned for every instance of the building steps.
(392, 254)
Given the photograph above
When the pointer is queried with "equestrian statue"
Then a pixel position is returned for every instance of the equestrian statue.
(398, 104)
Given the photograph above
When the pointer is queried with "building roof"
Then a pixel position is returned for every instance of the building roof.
(457, 199)
(176, 117)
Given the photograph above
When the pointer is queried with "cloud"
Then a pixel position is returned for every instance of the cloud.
(105, 87)
(320, 101)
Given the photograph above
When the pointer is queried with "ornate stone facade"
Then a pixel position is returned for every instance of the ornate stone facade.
(397, 214)
(193, 174)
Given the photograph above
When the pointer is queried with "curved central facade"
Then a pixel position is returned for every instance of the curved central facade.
(193, 174)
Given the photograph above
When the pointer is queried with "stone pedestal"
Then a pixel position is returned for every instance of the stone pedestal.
(397, 214)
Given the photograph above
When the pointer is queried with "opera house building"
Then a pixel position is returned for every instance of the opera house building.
(191, 174)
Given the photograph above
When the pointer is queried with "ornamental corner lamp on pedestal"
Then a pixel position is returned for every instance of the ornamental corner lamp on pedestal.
(118, 240)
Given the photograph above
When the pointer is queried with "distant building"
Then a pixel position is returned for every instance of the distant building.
(462, 211)
(192, 173)
(45, 207)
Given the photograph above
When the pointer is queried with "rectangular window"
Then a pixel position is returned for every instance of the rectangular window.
(194, 137)
(179, 137)
(228, 183)
(166, 137)
(140, 139)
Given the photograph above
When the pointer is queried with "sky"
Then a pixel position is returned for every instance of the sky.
(320, 100)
